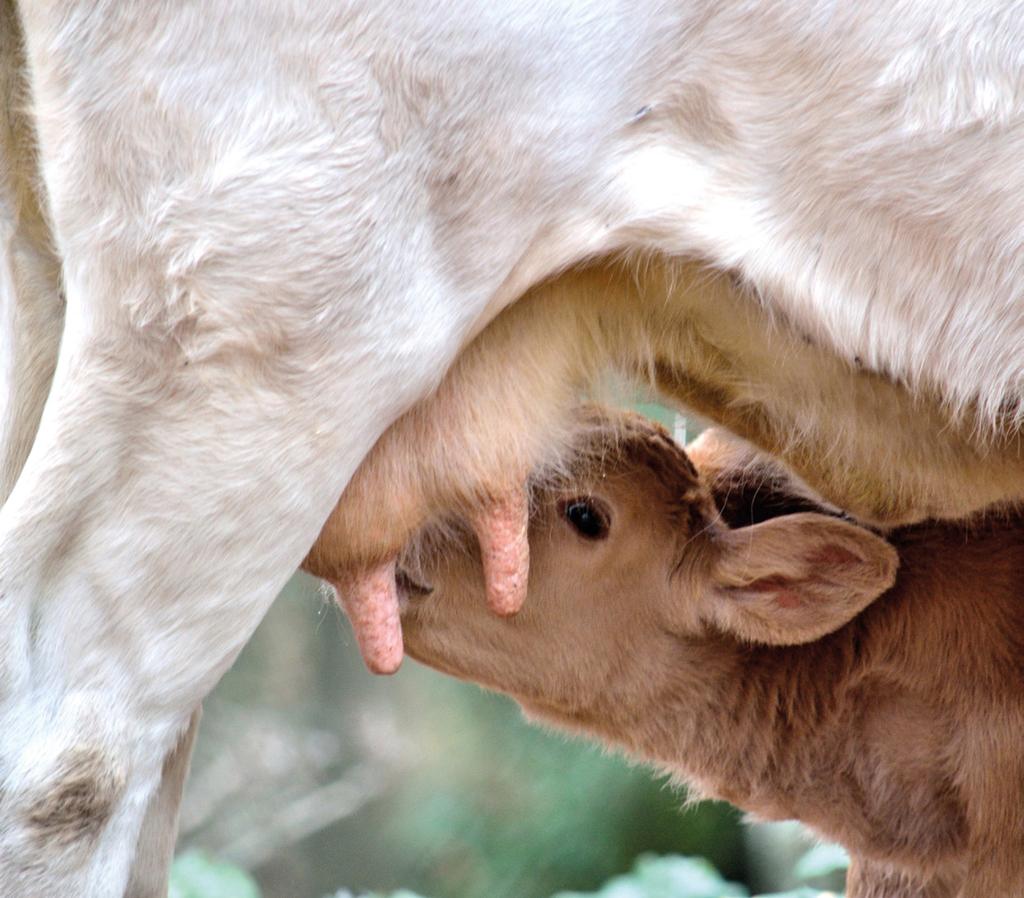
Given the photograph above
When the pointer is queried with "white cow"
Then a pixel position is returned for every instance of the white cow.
(277, 224)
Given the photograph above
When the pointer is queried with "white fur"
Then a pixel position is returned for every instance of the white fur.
(278, 225)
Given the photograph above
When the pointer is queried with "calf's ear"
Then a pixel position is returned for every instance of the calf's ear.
(795, 578)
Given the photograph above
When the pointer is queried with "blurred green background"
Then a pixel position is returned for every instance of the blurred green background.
(313, 775)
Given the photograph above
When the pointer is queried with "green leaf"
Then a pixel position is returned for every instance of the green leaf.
(667, 877)
(801, 893)
(401, 893)
(194, 875)
(822, 860)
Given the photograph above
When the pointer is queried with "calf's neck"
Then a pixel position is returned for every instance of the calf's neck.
(795, 664)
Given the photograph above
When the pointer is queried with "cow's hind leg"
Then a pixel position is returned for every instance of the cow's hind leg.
(163, 506)
(32, 314)
(31, 304)
(151, 866)
(182, 468)
(256, 288)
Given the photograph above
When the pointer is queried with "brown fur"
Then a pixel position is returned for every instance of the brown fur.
(897, 733)
(748, 486)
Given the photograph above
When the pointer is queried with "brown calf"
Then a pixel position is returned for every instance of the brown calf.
(776, 660)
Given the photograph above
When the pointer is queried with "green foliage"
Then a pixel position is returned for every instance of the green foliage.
(196, 876)
(401, 893)
(511, 812)
(667, 877)
(822, 860)
(801, 893)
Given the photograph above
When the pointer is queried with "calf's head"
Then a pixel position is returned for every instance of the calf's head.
(632, 567)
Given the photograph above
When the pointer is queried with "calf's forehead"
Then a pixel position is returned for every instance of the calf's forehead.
(625, 450)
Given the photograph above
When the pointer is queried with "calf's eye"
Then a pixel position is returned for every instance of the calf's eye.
(586, 518)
